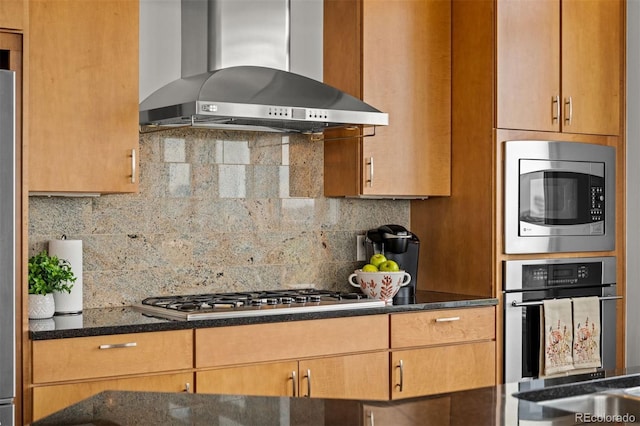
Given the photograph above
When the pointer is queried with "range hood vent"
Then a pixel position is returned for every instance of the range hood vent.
(238, 91)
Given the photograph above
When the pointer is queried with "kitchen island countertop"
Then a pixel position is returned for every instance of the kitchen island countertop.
(125, 319)
(495, 406)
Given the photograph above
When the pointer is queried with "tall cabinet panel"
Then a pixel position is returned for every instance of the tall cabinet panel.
(83, 96)
(396, 57)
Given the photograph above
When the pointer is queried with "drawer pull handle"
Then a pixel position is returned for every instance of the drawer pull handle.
(293, 381)
(568, 117)
(308, 377)
(133, 166)
(448, 319)
(119, 345)
(370, 164)
(187, 387)
(401, 367)
(555, 101)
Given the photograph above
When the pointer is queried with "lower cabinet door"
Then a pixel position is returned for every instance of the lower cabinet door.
(267, 379)
(441, 369)
(359, 376)
(49, 399)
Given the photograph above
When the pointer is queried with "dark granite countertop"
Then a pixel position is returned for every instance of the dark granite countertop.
(121, 320)
(495, 406)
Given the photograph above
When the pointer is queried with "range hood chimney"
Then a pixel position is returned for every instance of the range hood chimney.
(235, 74)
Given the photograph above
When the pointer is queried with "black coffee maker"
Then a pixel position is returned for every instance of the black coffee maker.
(402, 246)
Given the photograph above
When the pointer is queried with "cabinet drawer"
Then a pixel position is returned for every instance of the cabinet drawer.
(113, 355)
(442, 326)
(290, 340)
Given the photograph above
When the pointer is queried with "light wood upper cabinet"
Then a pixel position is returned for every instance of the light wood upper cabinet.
(83, 96)
(12, 14)
(592, 65)
(396, 56)
(559, 65)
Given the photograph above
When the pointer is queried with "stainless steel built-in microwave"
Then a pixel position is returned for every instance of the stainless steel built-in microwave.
(559, 197)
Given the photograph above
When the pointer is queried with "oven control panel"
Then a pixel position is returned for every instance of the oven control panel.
(540, 274)
(551, 275)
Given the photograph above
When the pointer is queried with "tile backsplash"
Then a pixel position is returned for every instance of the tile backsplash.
(217, 211)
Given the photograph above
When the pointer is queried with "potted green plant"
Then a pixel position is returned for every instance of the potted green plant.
(47, 274)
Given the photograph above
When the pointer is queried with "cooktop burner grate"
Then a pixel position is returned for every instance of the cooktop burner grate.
(242, 304)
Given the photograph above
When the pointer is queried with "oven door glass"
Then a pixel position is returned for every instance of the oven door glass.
(523, 335)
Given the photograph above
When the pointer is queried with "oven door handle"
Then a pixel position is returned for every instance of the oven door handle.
(540, 302)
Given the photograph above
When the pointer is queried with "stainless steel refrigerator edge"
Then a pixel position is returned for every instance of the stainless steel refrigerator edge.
(7, 248)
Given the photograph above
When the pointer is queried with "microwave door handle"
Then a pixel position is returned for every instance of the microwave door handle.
(540, 302)
(582, 167)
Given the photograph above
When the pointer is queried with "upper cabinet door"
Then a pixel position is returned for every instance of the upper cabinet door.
(528, 54)
(407, 73)
(83, 96)
(592, 62)
(12, 14)
(396, 56)
(560, 65)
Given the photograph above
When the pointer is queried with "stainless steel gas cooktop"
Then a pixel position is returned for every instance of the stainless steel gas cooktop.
(246, 304)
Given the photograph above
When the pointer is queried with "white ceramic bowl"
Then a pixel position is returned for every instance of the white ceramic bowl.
(379, 285)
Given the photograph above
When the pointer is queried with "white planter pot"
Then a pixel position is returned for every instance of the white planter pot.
(46, 324)
(41, 306)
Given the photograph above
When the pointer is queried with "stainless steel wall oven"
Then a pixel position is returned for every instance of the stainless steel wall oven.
(559, 197)
(528, 283)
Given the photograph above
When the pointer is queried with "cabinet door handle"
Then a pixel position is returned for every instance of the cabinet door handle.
(119, 345)
(372, 421)
(308, 377)
(555, 100)
(370, 164)
(187, 387)
(401, 384)
(448, 319)
(568, 117)
(133, 166)
(293, 382)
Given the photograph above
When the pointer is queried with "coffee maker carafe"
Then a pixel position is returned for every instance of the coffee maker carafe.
(402, 246)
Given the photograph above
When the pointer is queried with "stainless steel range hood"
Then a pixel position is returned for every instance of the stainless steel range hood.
(235, 75)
